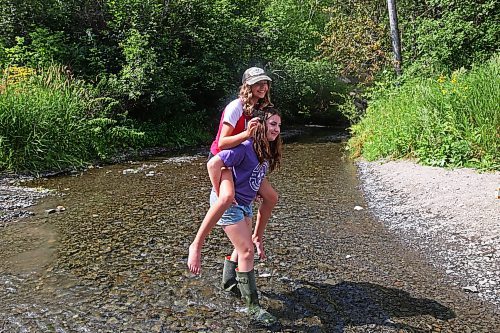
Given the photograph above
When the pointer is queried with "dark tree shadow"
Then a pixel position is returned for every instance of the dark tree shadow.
(320, 307)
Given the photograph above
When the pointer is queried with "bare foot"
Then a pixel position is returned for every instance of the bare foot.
(194, 259)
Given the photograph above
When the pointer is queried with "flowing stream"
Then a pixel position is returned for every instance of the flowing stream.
(113, 259)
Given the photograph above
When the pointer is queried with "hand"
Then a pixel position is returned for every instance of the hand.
(252, 126)
(259, 244)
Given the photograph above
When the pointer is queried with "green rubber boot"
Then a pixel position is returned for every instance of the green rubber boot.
(229, 282)
(248, 289)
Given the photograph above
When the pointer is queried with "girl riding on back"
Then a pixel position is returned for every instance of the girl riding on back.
(249, 162)
(237, 124)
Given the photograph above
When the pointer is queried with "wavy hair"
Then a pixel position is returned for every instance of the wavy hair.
(246, 97)
(267, 150)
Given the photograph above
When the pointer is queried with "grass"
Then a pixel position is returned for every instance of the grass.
(449, 121)
(50, 121)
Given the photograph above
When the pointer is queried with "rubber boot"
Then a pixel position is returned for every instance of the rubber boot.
(229, 282)
(248, 289)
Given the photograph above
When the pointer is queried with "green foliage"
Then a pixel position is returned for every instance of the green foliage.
(356, 38)
(303, 85)
(447, 121)
(46, 123)
(436, 34)
(162, 62)
(304, 89)
(179, 132)
(350, 106)
(49, 121)
(40, 125)
(450, 33)
(163, 59)
(293, 27)
(40, 49)
(140, 64)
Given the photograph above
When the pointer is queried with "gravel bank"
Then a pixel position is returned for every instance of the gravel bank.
(452, 216)
(15, 199)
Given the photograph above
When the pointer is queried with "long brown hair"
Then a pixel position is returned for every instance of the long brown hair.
(246, 97)
(267, 150)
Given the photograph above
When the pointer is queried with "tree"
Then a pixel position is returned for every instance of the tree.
(356, 38)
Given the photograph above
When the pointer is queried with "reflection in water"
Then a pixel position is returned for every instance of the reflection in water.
(119, 263)
(32, 261)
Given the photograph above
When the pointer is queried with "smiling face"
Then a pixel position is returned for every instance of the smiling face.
(259, 89)
(273, 125)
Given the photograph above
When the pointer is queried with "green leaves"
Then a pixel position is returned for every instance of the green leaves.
(450, 121)
(451, 33)
(41, 48)
(356, 38)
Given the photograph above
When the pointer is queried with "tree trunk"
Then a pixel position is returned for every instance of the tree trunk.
(396, 41)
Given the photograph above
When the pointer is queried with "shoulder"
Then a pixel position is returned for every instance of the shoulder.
(243, 148)
(233, 112)
(247, 143)
(235, 105)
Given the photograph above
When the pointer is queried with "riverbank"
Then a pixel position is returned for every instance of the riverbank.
(452, 216)
(16, 199)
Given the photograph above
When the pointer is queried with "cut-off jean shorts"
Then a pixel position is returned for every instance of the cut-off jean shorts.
(234, 214)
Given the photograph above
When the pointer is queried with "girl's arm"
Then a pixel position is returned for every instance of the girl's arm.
(214, 167)
(227, 140)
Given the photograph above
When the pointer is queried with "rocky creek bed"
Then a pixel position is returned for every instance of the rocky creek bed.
(114, 260)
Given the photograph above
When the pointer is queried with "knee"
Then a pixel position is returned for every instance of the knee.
(226, 199)
(247, 252)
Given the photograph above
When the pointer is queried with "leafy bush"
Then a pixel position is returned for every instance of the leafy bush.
(47, 122)
(179, 132)
(356, 38)
(41, 48)
(452, 34)
(447, 121)
(304, 89)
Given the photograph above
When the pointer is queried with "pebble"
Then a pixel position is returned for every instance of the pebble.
(472, 289)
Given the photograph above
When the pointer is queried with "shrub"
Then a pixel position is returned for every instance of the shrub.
(446, 121)
(48, 121)
(304, 89)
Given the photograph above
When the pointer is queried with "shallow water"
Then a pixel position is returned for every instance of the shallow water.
(115, 259)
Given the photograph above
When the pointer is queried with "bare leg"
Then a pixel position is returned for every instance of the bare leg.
(214, 213)
(240, 235)
(269, 200)
(234, 254)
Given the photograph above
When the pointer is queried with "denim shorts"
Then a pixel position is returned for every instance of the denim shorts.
(234, 214)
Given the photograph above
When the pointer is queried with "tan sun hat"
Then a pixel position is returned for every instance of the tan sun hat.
(254, 75)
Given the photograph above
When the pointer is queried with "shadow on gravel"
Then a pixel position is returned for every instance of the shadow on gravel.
(320, 307)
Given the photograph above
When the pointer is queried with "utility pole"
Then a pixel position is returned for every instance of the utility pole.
(396, 41)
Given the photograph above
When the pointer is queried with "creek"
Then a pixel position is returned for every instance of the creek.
(114, 260)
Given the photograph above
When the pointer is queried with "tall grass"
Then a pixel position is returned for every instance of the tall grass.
(450, 121)
(41, 121)
(50, 121)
